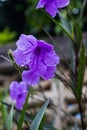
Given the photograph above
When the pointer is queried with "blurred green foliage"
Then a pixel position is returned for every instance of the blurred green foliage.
(77, 10)
(21, 16)
(6, 36)
(36, 19)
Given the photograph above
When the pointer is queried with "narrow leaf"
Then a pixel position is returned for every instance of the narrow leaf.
(28, 117)
(62, 27)
(78, 35)
(72, 66)
(71, 53)
(42, 123)
(21, 119)
(10, 118)
(39, 116)
(81, 70)
(82, 9)
(48, 126)
(64, 22)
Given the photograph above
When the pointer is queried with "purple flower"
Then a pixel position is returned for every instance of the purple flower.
(52, 6)
(38, 56)
(18, 92)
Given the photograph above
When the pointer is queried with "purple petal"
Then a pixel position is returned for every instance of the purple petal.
(18, 92)
(17, 88)
(41, 68)
(37, 63)
(63, 3)
(41, 4)
(21, 100)
(49, 74)
(31, 77)
(51, 59)
(52, 7)
(46, 47)
(20, 57)
(13, 90)
(26, 42)
(23, 86)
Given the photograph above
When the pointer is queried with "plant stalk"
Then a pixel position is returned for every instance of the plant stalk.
(82, 117)
(79, 100)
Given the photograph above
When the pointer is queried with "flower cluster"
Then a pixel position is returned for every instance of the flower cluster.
(52, 6)
(39, 57)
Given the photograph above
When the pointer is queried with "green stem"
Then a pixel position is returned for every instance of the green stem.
(21, 119)
(79, 100)
(62, 27)
(82, 117)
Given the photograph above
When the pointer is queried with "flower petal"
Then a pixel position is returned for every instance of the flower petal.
(63, 3)
(23, 86)
(41, 68)
(31, 77)
(41, 4)
(13, 90)
(51, 59)
(49, 74)
(20, 57)
(46, 47)
(52, 7)
(26, 42)
(21, 100)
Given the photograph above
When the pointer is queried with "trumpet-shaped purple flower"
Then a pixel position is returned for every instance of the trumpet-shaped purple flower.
(52, 6)
(38, 56)
(18, 92)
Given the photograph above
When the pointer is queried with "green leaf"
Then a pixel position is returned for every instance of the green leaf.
(7, 36)
(10, 54)
(78, 35)
(70, 36)
(81, 70)
(82, 9)
(86, 48)
(72, 61)
(42, 123)
(4, 113)
(48, 126)
(39, 116)
(72, 66)
(10, 118)
(64, 22)
(3, 108)
(19, 127)
(28, 117)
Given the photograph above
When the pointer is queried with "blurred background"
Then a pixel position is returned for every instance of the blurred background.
(21, 16)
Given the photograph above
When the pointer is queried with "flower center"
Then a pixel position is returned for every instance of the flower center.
(38, 50)
(20, 95)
